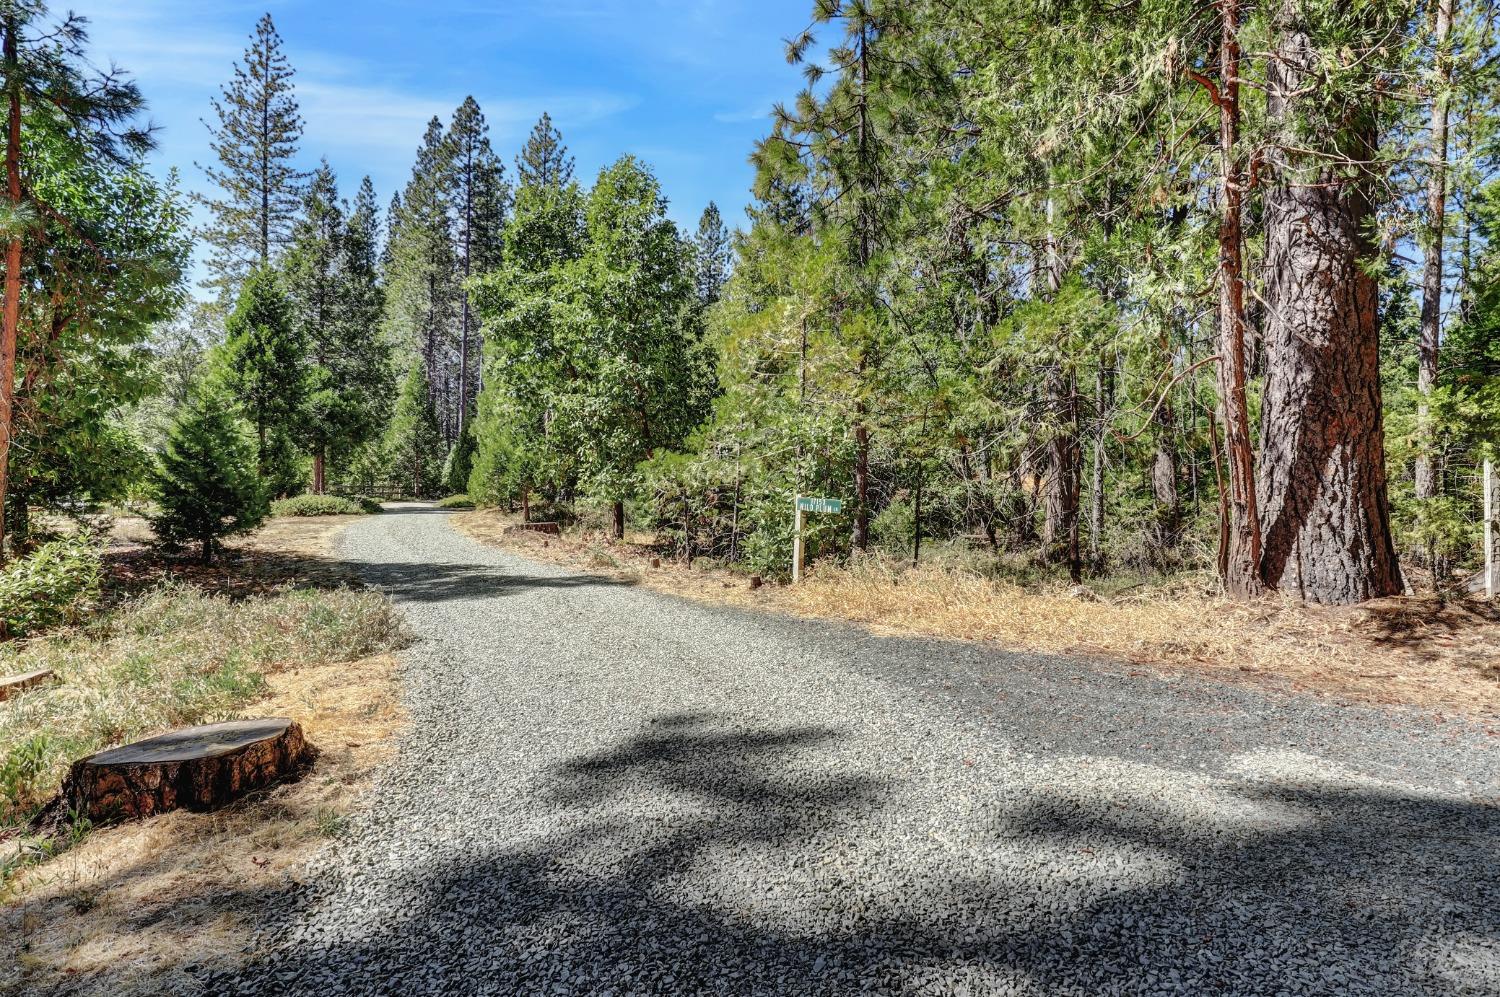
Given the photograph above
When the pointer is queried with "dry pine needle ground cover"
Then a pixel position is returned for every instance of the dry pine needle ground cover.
(128, 907)
(1443, 656)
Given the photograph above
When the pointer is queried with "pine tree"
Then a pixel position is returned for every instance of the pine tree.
(255, 143)
(421, 278)
(544, 160)
(479, 200)
(205, 485)
(518, 444)
(261, 366)
(460, 462)
(413, 440)
(715, 253)
(314, 289)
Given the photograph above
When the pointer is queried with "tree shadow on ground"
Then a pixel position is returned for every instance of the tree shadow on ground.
(421, 582)
(697, 857)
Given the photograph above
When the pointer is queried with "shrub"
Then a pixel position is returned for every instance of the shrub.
(456, 502)
(366, 504)
(50, 587)
(317, 505)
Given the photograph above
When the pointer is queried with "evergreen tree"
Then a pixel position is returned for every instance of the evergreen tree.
(544, 160)
(479, 200)
(314, 289)
(205, 485)
(70, 137)
(714, 252)
(255, 143)
(519, 446)
(261, 366)
(413, 440)
(639, 382)
(421, 278)
(460, 463)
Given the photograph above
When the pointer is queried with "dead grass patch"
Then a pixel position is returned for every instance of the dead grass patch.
(1420, 651)
(129, 909)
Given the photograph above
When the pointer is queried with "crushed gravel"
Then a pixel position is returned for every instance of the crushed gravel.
(606, 790)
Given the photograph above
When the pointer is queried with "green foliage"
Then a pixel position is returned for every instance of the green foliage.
(460, 462)
(319, 505)
(54, 585)
(206, 486)
(413, 443)
(260, 364)
(255, 143)
(456, 502)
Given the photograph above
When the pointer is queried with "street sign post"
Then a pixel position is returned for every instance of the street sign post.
(804, 505)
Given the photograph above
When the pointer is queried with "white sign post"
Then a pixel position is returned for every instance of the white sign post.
(804, 506)
(1490, 580)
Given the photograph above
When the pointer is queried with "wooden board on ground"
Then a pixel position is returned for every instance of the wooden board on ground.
(551, 528)
(11, 685)
(197, 768)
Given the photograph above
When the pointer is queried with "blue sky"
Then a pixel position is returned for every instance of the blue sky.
(687, 86)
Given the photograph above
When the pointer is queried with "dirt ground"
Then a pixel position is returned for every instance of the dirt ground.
(130, 907)
(1420, 651)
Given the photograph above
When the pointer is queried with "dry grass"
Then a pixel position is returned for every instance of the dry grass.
(125, 909)
(1419, 651)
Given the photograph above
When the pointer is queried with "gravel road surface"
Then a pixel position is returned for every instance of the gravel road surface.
(606, 790)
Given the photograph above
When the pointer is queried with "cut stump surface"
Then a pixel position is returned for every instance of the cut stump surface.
(197, 768)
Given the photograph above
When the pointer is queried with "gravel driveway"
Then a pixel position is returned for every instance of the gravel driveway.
(609, 790)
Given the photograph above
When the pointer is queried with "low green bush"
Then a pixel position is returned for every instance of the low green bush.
(366, 503)
(52, 586)
(317, 505)
(456, 502)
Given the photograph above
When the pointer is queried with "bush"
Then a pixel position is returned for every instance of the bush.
(366, 504)
(317, 505)
(50, 587)
(456, 502)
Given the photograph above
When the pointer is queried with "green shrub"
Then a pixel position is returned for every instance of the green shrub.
(456, 502)
(366, 504)
(317, 505)
(50, 587)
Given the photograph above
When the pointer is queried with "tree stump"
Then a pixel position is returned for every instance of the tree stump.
(198, 768)
(12, 685)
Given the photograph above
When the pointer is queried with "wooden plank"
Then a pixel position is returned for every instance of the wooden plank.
(12, 685)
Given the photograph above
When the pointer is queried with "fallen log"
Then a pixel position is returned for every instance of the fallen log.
(552, 528)
(12, 685)
(197, 768)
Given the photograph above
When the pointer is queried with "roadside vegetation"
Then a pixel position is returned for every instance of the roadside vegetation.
(1422, 651)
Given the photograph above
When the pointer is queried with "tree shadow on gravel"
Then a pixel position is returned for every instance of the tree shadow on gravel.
(698, 857)
(430, 583)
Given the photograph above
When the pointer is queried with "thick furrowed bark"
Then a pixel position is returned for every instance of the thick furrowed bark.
(1324, 512)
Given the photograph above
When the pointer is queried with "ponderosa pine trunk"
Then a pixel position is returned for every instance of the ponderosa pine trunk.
(1063, 482)
(1325, 516)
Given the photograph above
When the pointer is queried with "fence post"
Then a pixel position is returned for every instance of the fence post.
(797, 541)
(1489, 529)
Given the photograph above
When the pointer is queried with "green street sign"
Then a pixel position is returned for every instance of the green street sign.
(819, 504)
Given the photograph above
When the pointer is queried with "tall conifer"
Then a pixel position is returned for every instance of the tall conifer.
(255, 143)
